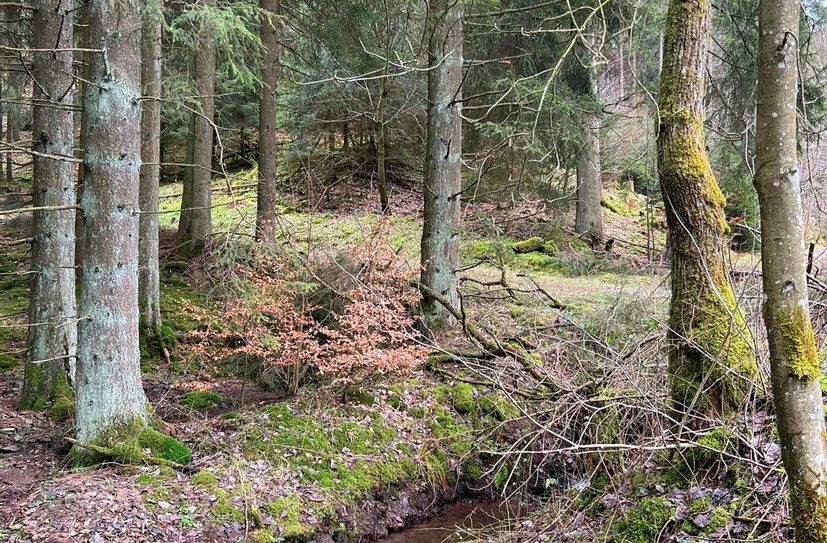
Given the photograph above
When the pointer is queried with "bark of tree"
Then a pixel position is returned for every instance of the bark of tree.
(109, 394)
(381, 148)
(793, 354)
(589, 214)
(711, 359)
(15, 84)
(52, 338)
(443, 166)
(267, 135)
(149, 283)
(195, 224)
(84, 124)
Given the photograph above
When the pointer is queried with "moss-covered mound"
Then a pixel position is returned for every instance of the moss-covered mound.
(136, 444)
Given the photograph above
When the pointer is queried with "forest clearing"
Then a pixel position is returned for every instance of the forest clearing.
(415, 272)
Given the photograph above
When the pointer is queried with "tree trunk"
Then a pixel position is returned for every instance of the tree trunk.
(589, 213)
(109, 393)
(443, 166)
(711, 360)
(84, 124)
(194, 230)
(14, 86)
(149, 282)
(381, 149)
(53, 330)
(267, 135)
(793, 354)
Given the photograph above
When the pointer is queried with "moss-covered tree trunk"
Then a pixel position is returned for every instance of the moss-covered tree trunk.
(267, 133)
(711, 360)
(108, 391)
(793, 355)
(195, 225)
(53, 331)
(443, 166)
(149, 282)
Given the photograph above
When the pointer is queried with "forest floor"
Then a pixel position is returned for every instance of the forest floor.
(346, 465)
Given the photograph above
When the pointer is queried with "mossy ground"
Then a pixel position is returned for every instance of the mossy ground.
(304, 465)
(135, 444)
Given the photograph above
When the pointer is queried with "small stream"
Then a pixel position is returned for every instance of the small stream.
(452, 524)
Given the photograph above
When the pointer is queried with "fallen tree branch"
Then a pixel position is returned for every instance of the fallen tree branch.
(493, 346)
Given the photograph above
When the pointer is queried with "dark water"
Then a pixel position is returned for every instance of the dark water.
(453, 524)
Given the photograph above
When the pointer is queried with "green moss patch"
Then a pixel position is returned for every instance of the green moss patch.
(347, 458)
(462, 396)
(529, 246)
(138, 444)
(644, 522)
(499, 406)
(202, 399)
(288, 512)
(204, 479)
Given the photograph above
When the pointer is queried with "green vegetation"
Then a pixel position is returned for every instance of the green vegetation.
(644, 522)
(330, 456)
(204, 479)
(202, 399)
(136, 443)
(462, 395)
(225, 509)
(499, 406)
(289, 511)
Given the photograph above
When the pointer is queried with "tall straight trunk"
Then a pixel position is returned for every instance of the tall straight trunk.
(194, 230)
(589, 214)
(443, 166)
(267, 134)
(793, 354)
(381, 148)
(83, 40)
(108, 391)
(11, 134)
(711, 359)
(15, 85)
(149, 287)
(52, 317)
